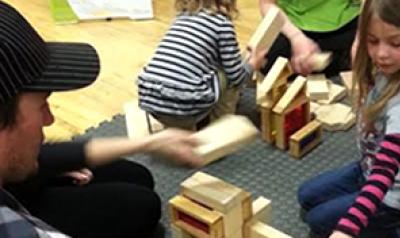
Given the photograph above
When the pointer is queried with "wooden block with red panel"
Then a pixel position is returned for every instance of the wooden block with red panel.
(291, 113)
(233, 203)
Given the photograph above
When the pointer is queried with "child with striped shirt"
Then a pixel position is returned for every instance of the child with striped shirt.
(363, 198)
(197, 69)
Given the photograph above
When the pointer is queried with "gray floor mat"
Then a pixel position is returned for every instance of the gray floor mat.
(259, 168)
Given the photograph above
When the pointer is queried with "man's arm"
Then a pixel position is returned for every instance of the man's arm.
(302, 46)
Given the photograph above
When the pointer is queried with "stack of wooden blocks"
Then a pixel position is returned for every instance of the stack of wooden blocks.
(325, 97)
(208, 207)
(285, 111)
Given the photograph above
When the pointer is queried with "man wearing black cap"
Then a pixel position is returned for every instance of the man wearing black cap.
(119, 201)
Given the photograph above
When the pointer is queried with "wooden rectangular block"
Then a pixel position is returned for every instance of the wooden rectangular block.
(317, 87)
(261, 230)
(195, 219)
(136, 121)
(262, 212)
(305, 139)
(267, 124)
(212, 192)
(281, 136)
(233, 221)
(321, 60)
(267, 30)
(276, 77)
(215, 142)
(296, 88)
(336, 93)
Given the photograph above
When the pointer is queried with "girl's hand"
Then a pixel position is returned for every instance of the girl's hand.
(302, 48)
(338, 234)
(80, 177)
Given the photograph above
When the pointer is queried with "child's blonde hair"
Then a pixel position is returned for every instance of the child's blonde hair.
(363, 68)
(226, 7)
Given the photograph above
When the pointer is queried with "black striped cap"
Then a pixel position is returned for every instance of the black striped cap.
(28, 63)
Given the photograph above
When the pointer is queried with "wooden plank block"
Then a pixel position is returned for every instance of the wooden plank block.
(321, 60)
(261, 230)
(267, 30)
(233, 221)
(347, 80)
(305, 139)
(136, 122)
(317, 87)
(262, 212)
(246, 205)
(215, 142)
(335, 117)
(212, 192)
(294, 89)
(277, 76)
(267, 124)
(195, 219)
(336, 93)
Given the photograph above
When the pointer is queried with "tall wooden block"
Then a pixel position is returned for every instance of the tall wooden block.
(305, 139)
(262, 212)
(197, 220)
(267, 124)
(267, 30)
(137, 124)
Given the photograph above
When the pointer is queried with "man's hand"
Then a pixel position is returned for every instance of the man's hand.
(80, 177)
(338, 234)
(175, 145)
(302, 48)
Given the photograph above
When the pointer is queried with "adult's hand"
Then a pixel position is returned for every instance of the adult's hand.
(176, 145)
(302, 48)
(80, 177)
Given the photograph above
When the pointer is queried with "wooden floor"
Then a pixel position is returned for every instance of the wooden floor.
(124, 47)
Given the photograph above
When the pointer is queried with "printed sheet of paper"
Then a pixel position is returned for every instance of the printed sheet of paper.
(102, 9)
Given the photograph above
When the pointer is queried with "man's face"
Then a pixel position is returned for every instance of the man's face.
(26, 136)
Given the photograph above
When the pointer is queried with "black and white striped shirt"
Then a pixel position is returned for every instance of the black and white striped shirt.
(182, 77)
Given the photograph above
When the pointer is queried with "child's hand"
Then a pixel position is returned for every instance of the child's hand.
(257, 58)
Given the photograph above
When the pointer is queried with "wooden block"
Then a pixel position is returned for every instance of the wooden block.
(267, 124)
(294, 89)
(317, 87)
(321, 60)
(267, 30)
(215, 142)
(347, 80)
(136, 122)
(305, 139)
(195, 219)
(178, 232)
(314, 106)
(233, 221)
(281, 141)
(212, 192)
(246, 206)
(335, 117)
(276, 77)
(262, 212)
(238, 234)
(336, 93)
(261, 230)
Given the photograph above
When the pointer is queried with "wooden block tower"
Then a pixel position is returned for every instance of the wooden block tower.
(208, 207)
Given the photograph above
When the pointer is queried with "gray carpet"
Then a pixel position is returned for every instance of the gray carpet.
(259, 168)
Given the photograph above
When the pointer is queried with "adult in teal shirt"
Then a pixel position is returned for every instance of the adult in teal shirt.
(312, 26)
